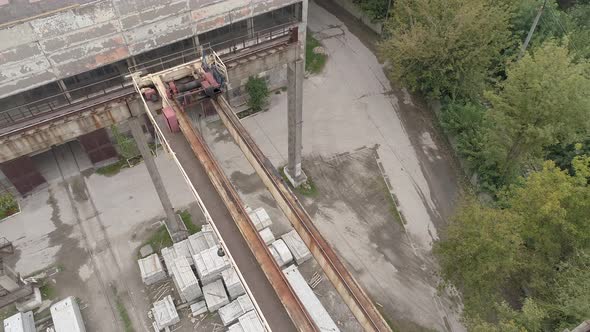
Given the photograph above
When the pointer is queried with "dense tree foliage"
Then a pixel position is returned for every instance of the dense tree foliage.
(544, 101)
(445, 47)
(376, 9)
(521, 260)
(531, 248)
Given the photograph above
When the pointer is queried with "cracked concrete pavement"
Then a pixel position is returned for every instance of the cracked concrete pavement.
(352, 107)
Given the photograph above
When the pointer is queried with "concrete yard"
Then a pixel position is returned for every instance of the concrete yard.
(352, 116)
(90, 226)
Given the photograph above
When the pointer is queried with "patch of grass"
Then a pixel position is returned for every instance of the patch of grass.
(160, 239)
(392, 203)
(7, 311)
(387, 320)
(47, 291)
(112, 169)
(123, 312)
(308, 188)
(314, 63)
(187, 220)
(8, 205)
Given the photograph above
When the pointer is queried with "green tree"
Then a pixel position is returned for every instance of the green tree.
(572, 289)
(528, 250)
(376, 9)
(257, 93)
(445, 47)
(127, 146)
(553, 208)
(480, 253)
(543, 101)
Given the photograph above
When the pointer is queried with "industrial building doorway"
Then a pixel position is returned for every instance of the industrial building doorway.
(98, 146)
(23, 174)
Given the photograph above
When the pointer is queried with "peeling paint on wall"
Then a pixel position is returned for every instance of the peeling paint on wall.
(94, 34)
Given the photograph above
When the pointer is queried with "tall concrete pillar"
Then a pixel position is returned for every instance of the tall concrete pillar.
(174, 224)
(250, 27)
(295, 122)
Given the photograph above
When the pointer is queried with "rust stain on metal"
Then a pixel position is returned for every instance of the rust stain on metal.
(353, 295)
(229, 195)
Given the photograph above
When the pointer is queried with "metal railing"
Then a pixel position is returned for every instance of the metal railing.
(222, 48)
(63, 99)
(84, 93)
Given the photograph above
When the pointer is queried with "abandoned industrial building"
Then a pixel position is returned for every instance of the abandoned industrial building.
(64, 72)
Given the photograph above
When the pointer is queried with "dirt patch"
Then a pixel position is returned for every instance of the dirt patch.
(354, 212)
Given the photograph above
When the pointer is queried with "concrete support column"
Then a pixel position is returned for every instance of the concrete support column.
(250, 27)
(174, 224)
(295, 122)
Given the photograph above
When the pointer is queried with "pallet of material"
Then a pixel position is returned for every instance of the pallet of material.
(260, 218)
(209, 264)
(310, 301)
(249, 322)
(182, 249)
(169, 255)
(280, 252)
(232, 283)
(151, 269)
(297, 247)
(165, 314)
(185, 280)
(202, 240)
(66, 316)
(229, 313)
(215, 295)
(20, 322)
(267, 236)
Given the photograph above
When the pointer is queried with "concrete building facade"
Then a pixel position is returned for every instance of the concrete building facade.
(64, 66)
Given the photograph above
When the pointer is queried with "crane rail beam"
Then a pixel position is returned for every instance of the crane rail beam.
(353, 295)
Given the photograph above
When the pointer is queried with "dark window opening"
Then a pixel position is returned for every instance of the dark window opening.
(278, 17)
(169, 55)
(96, 81)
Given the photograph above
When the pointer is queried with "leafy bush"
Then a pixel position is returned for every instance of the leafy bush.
(314, 62)
(8, 205)
(376, 9)
(127, 146)
(257, 92)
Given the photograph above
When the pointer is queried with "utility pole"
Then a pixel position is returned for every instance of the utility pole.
(532, 30)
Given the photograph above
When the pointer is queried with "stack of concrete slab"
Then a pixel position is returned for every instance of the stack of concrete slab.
(185, 280)
(209, 264)
(248, 322)
(165, 314)
(151, 269)
(215, 295)
(169, 255)
(198, 308)
(202, 240)
(66, 316)
(280, 252)
(267, 236)
(260, 218)
(229, 313)
(20, 322)
(297, 247)
(182, 249)
(313, 306)
(232, 283)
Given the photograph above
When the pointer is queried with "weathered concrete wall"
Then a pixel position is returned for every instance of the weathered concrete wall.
(56, 132)
(83, 37)
(270, 66)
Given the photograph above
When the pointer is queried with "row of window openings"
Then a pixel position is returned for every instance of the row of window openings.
(110, 72)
